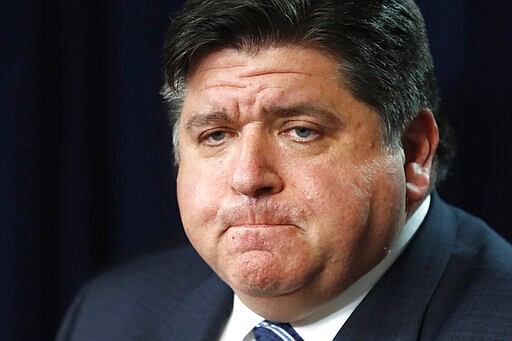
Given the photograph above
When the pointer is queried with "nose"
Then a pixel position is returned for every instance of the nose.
(254, 167)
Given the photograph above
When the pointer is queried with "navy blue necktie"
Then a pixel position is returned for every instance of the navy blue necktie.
(275, 331)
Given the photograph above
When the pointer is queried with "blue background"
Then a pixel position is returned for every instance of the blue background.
(86, 175)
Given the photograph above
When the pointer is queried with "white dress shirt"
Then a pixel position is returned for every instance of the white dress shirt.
(325, 323)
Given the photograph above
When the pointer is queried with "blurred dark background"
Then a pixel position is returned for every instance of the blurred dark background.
(86, 175)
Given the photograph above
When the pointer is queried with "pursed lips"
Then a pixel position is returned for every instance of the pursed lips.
(263, 237)
(260, 215)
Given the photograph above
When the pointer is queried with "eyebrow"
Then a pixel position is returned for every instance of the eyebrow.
(204, 119)
(307, 109)
(198, 120)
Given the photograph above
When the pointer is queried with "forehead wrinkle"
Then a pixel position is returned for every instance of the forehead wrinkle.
(224, 84)
(257, 73)
(252, 74)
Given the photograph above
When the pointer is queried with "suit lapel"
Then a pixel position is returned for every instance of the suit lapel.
(203, 312)
(395, 307)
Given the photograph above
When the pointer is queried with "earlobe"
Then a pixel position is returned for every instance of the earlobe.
(420, 140)
(418, 181)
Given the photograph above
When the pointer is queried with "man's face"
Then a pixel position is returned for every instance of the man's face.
(284, 187)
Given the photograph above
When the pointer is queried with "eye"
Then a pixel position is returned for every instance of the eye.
(215, 137)
(303, 132)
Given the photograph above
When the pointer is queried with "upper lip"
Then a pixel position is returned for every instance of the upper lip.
(259, 214)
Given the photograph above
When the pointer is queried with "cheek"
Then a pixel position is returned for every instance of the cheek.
(349, 205)
(337, 210)
(332, 193)
(198, 194)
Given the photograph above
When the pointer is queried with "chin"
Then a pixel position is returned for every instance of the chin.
(266, 282)
(272, 289)
(264, 285)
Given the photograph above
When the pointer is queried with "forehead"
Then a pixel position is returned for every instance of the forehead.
(287, 60)
(237, 82)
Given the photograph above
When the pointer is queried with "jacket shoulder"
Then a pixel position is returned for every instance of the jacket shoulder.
(474, 296)
(128, 302)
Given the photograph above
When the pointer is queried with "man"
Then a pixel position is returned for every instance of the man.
(308, 152)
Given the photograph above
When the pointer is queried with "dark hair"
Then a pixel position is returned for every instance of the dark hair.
(381, 45)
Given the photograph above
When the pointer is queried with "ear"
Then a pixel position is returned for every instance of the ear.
(420, 140)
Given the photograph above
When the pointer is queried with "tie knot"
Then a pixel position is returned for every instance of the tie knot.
(275, 331)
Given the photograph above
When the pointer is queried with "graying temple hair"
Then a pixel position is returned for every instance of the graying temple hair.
(174, 99)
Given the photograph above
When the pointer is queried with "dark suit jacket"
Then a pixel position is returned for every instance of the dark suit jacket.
(453, 282)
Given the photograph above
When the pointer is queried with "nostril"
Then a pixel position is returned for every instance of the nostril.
(263, 190)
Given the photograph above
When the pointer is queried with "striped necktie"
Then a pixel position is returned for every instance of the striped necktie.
(275, 331)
